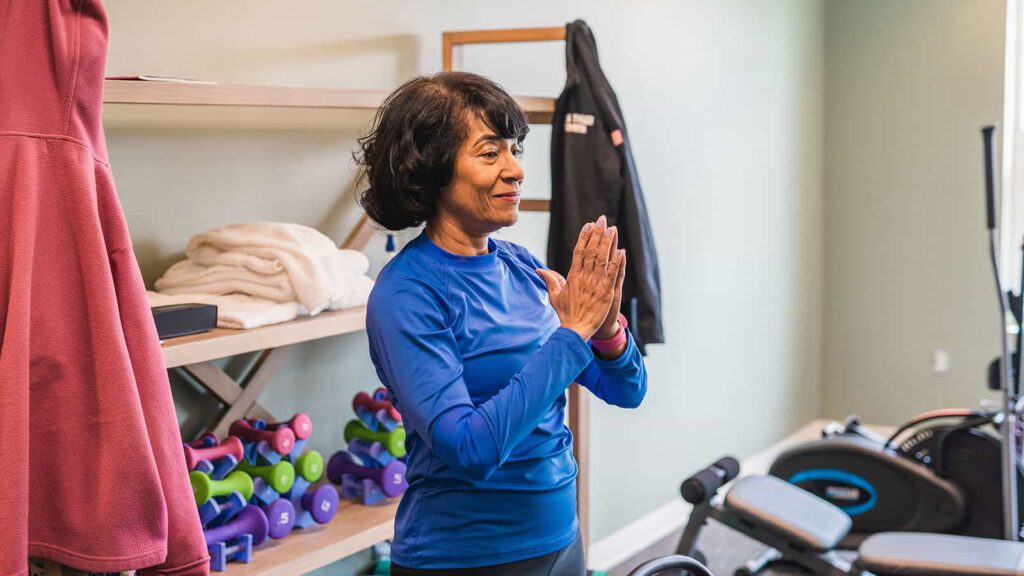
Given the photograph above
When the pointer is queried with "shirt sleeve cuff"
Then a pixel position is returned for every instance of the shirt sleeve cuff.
(577, 346)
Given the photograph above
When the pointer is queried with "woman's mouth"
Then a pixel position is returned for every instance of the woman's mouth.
(508, 196)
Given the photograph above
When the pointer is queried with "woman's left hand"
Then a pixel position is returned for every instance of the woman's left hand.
(610, 327)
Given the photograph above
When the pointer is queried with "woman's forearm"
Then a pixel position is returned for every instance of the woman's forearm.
(477, 440)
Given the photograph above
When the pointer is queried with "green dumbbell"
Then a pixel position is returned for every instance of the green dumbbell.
(393, 441)
(310, 466)
(280, 476)
(204, 488)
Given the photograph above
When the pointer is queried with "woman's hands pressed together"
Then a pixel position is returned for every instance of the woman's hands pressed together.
(587, 302)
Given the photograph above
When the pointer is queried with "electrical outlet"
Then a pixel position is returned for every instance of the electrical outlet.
(940, 361)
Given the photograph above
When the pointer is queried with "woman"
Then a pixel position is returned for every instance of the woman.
(477, 342)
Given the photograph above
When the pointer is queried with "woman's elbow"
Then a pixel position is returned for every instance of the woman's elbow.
(637, 397)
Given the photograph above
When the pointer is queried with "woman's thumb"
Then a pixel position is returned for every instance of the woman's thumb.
(551, 279)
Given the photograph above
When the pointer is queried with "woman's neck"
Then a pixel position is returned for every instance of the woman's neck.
(447, 234)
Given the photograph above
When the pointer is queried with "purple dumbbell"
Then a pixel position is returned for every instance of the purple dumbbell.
(366, 491)
(281, 516)
(391, 478)
(251, 520)
(321, 502)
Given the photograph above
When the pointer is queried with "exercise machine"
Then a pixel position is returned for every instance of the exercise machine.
(803, 530)
(940, 472)
(673, 565)
(951, 471)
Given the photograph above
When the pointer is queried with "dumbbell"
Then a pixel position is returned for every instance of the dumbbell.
(215, 513)
(204, 488)
(704, 484)
(390, 478)
(279, 476)
(300, 424)
(204, 441)
(394, 440)
(230, 447)
(281, 440)
(310, 466)
(320, 503)
(281, 517)
(366, 491)
(372, 454)
(221, 552)
(363, 401)
(251, 520)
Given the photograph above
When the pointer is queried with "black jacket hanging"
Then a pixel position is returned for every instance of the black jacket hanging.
(593, 173)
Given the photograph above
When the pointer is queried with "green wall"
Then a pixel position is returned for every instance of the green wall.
(908, 86)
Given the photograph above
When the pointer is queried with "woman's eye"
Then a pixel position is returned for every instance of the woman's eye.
(518, 152)
(490, 153)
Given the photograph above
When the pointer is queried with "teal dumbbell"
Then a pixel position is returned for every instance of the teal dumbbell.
(393, 441)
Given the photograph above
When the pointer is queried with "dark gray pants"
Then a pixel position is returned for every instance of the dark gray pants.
(568, 561)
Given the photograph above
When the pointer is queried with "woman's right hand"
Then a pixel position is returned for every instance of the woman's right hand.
(583, 299)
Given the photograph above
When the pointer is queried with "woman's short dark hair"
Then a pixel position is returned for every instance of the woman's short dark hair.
(409, 154)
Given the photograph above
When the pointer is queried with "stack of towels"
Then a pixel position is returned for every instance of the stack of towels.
(261, 273)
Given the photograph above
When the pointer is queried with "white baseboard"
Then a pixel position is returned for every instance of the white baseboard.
(631, 540)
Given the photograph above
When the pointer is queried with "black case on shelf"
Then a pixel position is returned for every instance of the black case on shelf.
(184, 319)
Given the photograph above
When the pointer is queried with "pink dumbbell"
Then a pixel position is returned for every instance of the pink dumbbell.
(300, 424)
(281, 440)
(390, 478)
(363, 400)
(231, 446)
(205, 441)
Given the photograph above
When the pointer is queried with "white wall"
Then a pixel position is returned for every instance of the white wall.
(908, 87)
(724, 101)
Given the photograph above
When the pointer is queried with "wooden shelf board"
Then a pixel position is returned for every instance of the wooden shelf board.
(355, 528)
(221, 342)
(173, 93)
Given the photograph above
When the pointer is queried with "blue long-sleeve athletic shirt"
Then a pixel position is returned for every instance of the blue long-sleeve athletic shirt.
(476, 362)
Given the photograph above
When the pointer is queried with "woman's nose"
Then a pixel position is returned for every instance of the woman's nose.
(513, 170)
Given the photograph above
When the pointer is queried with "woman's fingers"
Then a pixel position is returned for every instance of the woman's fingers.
(604, 250)
(621, 275)
(581, 246)
(593, 246)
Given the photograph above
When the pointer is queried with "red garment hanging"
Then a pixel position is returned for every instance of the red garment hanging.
(94, 474)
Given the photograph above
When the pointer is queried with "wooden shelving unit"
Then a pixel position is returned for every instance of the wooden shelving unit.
(355, 528)
(184, 94)
(221, 343)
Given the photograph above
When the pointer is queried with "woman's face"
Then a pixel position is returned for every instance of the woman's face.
(483, 195)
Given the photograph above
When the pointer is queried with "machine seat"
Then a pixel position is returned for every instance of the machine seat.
(806, 520)
(918, 554)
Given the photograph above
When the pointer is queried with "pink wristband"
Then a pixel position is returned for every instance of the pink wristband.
(607, 345)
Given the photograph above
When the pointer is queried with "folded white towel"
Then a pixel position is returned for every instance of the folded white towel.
(236, 311)
(187, 277)
(269, 248)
